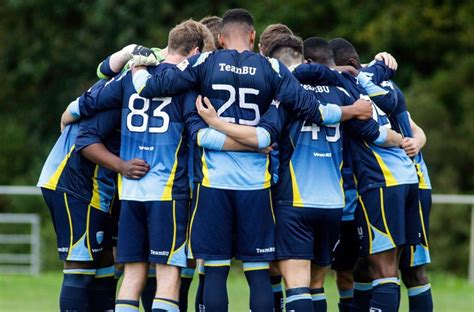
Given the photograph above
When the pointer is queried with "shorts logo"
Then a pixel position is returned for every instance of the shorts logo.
(99, 236)
(159, 253)
(375, 310)
(265, 250)
(360, 232)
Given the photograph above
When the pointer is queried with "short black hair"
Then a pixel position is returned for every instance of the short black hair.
(318, 50)
(285, 42)
(343, 50)
(240, 16)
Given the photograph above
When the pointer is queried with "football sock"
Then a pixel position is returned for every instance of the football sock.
(362, 295)
(419, 298)
(345, 300)
(261, 293)
(186, 279)
(215, 288)
(319, 300)
(74, 290)
(299, 299)
(165, 305)
(277, 288)
(199, 304)
(102, 290)
(148, 293)
(126, 306)
(385, 294)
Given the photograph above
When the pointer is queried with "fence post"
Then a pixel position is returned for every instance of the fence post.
(471, 249)
(35, 245)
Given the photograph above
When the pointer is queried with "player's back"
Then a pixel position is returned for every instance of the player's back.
(309, 151)
(240, 87)
(154, 130)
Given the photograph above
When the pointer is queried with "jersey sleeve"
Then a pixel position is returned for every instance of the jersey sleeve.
(107, 96)
(104, 71)
(274, 120)
(379, 72)
(384, 94)
(193, 121)
(97, 128)
(175, 80)
(318, 74)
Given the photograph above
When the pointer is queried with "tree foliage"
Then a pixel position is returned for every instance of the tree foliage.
(50, 51)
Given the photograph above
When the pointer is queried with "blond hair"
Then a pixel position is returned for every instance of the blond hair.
(188, 35)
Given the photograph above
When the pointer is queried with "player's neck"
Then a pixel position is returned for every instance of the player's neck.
(238, 45)
(174, 58)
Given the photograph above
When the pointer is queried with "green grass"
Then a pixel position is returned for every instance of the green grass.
(27, 293)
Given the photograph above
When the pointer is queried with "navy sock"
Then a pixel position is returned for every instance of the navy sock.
(277, 287)
(165, 305)
(199, 304)
(126, 306)
(299, 299)
(362, 296)
(261, 293)
(148, 293)
(215, 288)
(102, 290)
(345, 300)
(420, 299)
(186, 279)
(385, 294)
(74, 290)
(319, 300)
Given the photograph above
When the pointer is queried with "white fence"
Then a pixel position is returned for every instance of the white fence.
(34, 238)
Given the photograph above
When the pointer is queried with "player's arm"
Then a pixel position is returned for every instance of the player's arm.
(115, 63)
(313, 73)
(173, 81)
(94, 132)
(103, 95)
(304, 105)
(385, 98)
(412, 146)
(255, 137)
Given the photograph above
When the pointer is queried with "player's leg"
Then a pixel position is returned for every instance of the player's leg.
(199, 303)
(414, 260)
(148, 293)
(277, 287)
(255, 244)
(326, 227)
(345, 258)
(132, 250)
(167, 227)
(187, 275)
(69, 216)
(294, 248)
(211, 239)
(385, 210)
(362, 286)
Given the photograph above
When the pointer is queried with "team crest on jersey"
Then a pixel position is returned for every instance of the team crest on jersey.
(99, 236)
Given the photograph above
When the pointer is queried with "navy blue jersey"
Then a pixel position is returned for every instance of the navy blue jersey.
(399, 118)
(241, 86)
(152, 130)
(66, 170)
(308, 150)
(373, 166)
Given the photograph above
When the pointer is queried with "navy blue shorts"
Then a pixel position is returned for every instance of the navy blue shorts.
(153, 231)
(387, 218)
(307, 233)
(82, 231)
(347, 250)
(420, 254)
(114, 215)
(228, 223)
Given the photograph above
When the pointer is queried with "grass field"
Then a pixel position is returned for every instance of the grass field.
(26, 293)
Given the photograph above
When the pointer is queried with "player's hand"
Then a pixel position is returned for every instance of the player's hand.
(363, 109)
(143, 56)
(347, 69)
(267, 150)
(388, 59)
(411, 146)
(134, 169)
(206, 110)
(66, 119)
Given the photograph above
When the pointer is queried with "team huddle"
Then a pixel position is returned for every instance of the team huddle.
(295, 160)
